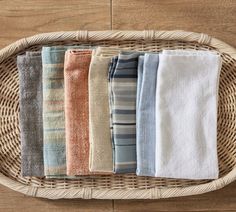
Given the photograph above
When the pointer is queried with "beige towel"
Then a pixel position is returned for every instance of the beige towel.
(100, 159)
(108, 52)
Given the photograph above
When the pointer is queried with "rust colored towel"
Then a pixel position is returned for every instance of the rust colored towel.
(76, 111)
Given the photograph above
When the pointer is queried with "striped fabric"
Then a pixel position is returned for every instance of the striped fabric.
(122, 90)
(76, 110)
(111, 70)
(53, 110)
(31, 123)
(146, 123)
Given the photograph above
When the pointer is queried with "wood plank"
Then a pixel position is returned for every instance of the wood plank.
(214, 17)
(20, 19)
(220, 200)
(11, 201)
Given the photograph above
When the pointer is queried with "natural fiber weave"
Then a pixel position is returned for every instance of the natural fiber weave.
(116, 186)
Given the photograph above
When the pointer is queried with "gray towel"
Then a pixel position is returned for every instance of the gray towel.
(31, 125)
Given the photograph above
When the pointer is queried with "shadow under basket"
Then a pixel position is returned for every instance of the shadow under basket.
(128, 186)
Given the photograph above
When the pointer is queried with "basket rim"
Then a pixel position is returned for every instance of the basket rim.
(95, 193)
(146, 35)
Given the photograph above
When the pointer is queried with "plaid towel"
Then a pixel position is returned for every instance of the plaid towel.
(76, 111)
(53, 111)
(31, 125)
(145, 113)
(122, 90)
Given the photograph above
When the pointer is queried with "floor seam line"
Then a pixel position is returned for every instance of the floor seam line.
(111, 14)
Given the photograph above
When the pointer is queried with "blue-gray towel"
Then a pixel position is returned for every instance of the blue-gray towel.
(146, 124)
(122, 90)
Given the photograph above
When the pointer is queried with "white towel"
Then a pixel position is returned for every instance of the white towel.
(186, 114)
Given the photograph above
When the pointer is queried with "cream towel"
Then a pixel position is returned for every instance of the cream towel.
(100, 159)
(186, 115)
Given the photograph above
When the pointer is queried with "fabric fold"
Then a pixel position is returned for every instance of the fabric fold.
(146, 114)
(186, 115)
(122, 90)
(100, 159)
(77, 110)
(53, 111)
(31, 124)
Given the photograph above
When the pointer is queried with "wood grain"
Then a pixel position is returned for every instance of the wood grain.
(220, 200)
(20, 19)
(214, 17)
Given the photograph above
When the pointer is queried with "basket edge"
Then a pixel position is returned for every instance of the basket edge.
(88, 193)
(94, 193)
(147, 35)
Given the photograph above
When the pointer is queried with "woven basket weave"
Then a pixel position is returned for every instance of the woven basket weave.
(127, 186)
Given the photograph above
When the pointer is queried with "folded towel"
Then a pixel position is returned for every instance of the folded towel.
(111, 70)
(76, 110)
(145, 110)
(122, 91)
(53, 110)
(139, 85)
(108, 51)
(186, 115)
(31, 124)
(100, 159)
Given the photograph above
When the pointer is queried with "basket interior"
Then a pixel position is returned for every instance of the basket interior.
(10, 154)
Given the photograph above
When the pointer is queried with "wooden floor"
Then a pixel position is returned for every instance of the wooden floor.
(22, 18)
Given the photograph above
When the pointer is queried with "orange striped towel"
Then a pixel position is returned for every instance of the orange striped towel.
(76, 69)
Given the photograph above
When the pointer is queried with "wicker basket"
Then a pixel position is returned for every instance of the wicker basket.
(117, 186)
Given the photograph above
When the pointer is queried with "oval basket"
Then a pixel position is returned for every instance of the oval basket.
(117, 186)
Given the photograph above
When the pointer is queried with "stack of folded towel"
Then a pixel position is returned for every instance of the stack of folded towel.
(105, 110)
